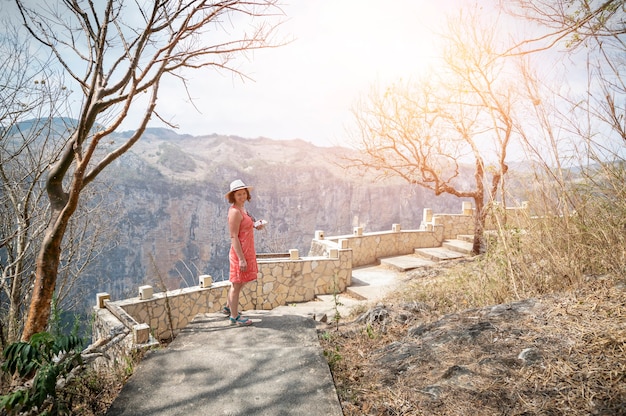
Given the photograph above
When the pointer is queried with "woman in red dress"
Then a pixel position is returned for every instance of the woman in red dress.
(242, 256)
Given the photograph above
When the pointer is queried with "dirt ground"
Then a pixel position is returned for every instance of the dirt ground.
(559, 354)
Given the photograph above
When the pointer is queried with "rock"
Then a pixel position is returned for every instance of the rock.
(530, 356)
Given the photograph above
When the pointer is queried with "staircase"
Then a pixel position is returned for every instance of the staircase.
(449, 250)
(372, 283)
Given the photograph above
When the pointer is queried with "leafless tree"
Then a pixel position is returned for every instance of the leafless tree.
(576, 132)
(31, 137)
(117, 53)
(596, 28)
(24, 93)
(593, 33)
(569, 23)
(430, 130)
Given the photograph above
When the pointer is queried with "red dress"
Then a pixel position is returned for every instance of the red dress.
(246, 238)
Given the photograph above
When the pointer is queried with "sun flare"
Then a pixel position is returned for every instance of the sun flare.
(374, 41)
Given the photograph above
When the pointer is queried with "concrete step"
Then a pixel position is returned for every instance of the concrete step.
(466, 237)
(369, 284)
(372, 283)
(405, 263)
(438, 253)
(463, 247)
(322, 309)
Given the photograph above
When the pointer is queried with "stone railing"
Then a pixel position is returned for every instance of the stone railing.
(282, 279)
(463, 224)
(367, 248)
(512, 217)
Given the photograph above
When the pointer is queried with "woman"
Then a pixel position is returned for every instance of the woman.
(242, 256)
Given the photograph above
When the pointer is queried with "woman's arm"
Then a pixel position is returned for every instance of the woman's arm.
(234, 221)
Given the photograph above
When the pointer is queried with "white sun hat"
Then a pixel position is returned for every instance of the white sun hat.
(237, 185)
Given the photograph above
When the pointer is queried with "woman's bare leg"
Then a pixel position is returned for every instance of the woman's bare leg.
(233, 298)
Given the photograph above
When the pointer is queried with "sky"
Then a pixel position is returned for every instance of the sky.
(306, 89)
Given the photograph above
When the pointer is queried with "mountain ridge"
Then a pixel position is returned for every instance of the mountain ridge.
(174, 211)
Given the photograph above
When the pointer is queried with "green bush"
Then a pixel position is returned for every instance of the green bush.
(45, 358)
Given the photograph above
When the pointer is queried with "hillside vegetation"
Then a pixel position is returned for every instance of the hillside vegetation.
(535, 326)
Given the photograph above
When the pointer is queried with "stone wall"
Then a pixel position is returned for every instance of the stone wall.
(453, 225)
(463, 224)
(510, 217)
(281, 279)
(367, 248)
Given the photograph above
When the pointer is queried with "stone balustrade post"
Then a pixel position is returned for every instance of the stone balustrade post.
(141, 333)
(206, 280)
(145, 292)
(101, 298)
(427, 216)
(467, 208)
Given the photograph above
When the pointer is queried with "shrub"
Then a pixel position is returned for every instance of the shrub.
(45, 358)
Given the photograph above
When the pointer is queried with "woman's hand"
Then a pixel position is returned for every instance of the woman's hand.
(260, 224)
(243, 265)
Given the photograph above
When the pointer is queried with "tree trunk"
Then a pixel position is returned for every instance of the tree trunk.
(45, 283)
(15, 304)
(19, 280)
(62, 206)
(479, 225)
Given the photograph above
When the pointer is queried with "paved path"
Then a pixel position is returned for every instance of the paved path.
(275, 367)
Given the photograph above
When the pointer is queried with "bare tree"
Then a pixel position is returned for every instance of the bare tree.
(594, 33)
(573, 22)
(576, 132)
(31, 137)
(430, 130)
(596, 27)
(24, 94)
(117, 53)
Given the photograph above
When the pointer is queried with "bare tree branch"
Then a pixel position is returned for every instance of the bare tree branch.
(116, 51)
(444, 126)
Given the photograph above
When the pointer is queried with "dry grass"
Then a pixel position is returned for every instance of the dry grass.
(437, 349)
(581, 335)
(92, 393)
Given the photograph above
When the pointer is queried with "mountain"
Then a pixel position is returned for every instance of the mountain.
(172, 217)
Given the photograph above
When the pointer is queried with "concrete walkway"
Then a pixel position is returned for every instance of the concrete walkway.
(274, 367)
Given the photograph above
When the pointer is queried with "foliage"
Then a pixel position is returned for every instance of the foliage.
(45, 358)
(331, 350)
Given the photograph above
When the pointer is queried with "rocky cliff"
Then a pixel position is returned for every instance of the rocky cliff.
(172, 217)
